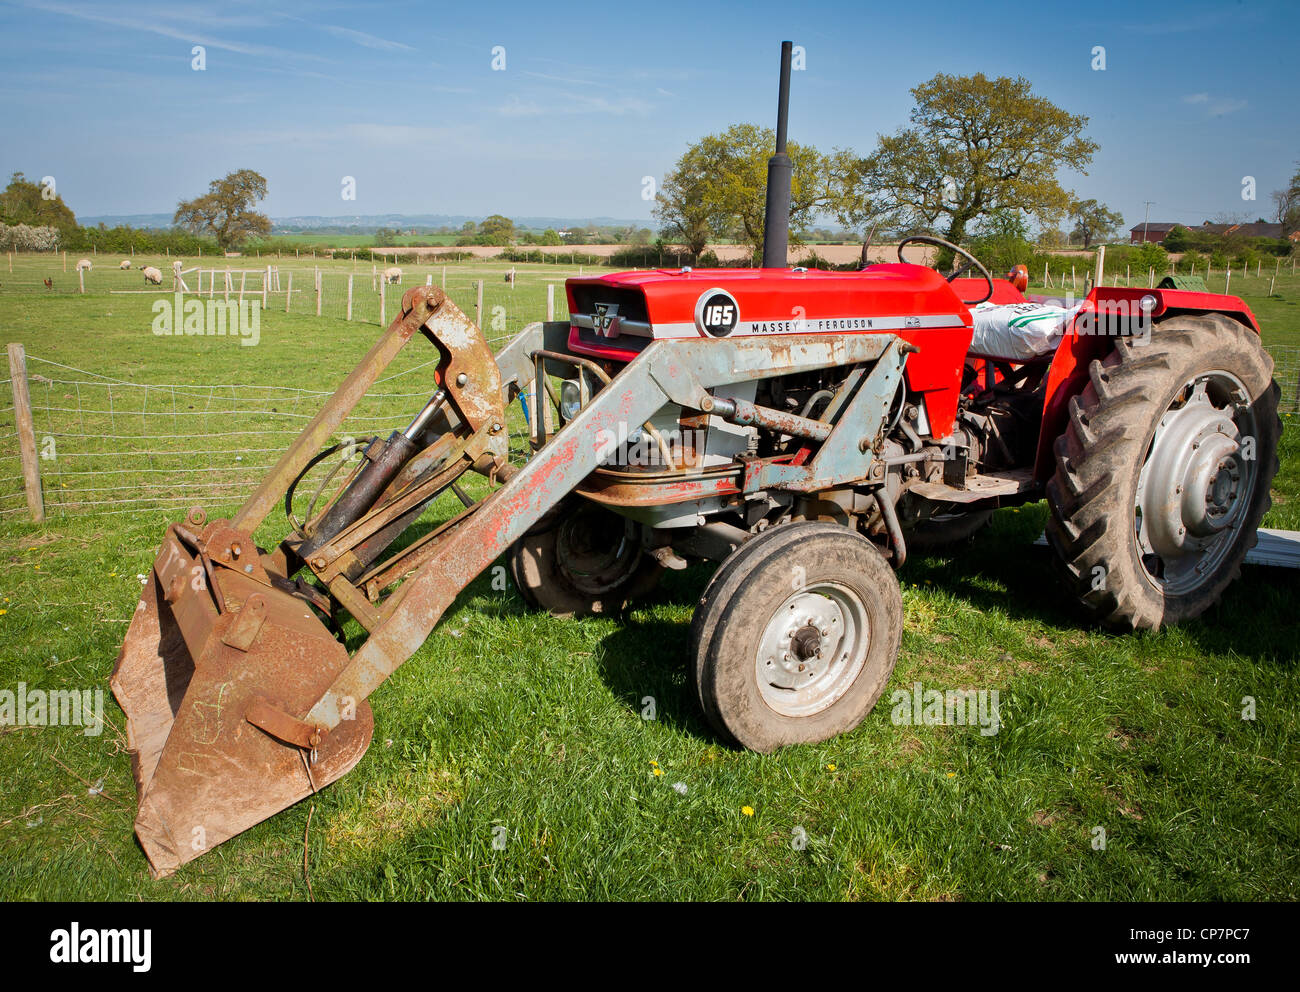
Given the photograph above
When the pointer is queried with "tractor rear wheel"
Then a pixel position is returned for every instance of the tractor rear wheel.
(581, 560)
(1163, 472)
(796, 636)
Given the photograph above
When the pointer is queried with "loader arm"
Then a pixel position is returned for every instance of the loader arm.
(240, 701)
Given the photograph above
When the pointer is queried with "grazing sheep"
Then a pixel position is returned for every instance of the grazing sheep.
(176, 266)
(83, 265)
(124, 264)
(152, 275)
(393, 274)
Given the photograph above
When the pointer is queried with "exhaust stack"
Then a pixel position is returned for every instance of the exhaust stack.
(776, 216)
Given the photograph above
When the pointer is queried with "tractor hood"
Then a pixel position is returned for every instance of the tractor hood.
(614, 316)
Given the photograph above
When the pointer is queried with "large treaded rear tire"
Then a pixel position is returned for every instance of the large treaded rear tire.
(1100, 459)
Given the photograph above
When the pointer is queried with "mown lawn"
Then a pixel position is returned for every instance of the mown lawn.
(509, 719)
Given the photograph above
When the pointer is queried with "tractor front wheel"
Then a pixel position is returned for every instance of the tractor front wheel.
(581, 560)
(796, 636)
(1163, 472)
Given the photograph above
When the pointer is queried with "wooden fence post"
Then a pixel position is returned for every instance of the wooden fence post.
(288, 297)
(349, 296)
(1101, 265)
(81, 278)
(266, 281)
(550, 301)
(26, 432)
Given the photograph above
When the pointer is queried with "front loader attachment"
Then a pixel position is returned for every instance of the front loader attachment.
(241, 698)
(208, 650)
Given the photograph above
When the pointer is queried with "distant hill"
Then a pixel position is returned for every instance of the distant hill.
(367, 223)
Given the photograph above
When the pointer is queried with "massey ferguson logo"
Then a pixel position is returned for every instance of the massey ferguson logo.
(606, 320)
(716, 313)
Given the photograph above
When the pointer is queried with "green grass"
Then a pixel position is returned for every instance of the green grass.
(506, 718)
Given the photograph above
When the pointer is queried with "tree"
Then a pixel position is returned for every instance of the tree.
(36, 205)
(976, 146)
(719, 187)
(226, 210)
(549, 237)
(1287, 202)
(1093, 221)
(496, 230)
(1179, 239)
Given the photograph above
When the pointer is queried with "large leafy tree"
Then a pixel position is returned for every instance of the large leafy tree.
(226, 210)
(1093, 221)
(682, 206)
(26, 202)
(975, 146)
(718, 187)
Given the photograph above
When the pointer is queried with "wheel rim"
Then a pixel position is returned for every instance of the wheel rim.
(593, 550)
(1197, 483)
(812, 649)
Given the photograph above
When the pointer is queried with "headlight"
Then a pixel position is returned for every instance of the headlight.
(570, 399)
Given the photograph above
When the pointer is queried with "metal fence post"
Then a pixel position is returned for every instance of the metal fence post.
(26, 432)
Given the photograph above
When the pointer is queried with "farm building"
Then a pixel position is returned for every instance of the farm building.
(1154, 233)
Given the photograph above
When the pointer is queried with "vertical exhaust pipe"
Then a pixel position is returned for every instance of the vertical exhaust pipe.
(776, 216)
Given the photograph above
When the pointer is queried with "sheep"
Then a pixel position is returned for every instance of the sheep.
(176, 266)
(393, 274)
(83, 265)
(124, 264)
(152, 275)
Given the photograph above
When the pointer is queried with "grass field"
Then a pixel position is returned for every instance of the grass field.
(511, 719)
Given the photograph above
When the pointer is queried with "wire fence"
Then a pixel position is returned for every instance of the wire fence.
(112, 446)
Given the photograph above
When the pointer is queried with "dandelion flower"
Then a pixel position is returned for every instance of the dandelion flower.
(830, 768)
(747, 810)
(658, 772)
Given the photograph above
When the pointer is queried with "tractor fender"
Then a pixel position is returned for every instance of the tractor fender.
(1113, 311)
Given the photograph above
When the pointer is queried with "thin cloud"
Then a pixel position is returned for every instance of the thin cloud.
(366, 40)
(573, 103)
(147, 21)
(1215, 106)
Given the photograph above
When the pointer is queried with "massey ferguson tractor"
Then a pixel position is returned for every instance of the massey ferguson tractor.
(797, 428)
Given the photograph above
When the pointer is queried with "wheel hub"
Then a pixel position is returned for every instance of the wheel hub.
(812, 649)
(1196, 483)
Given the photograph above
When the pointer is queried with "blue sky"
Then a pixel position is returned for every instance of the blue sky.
(403, 97)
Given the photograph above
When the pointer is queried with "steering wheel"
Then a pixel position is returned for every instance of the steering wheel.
(971, 261)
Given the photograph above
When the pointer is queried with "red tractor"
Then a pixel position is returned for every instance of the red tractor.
(800, 428)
